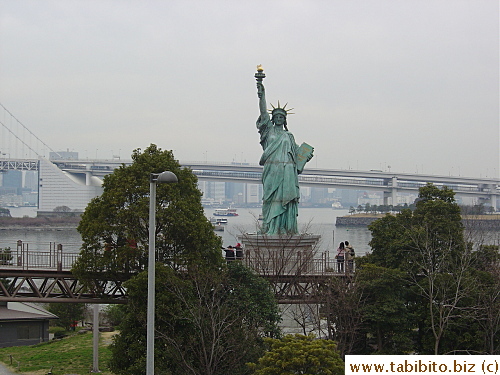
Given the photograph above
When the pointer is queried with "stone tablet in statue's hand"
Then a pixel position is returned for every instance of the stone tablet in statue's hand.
(310, 156)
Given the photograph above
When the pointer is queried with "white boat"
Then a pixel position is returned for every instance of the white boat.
(225, 212)
(218, 220)
(218, 227)
(337, 206)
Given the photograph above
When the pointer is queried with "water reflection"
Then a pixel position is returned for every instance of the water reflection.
(311, 220)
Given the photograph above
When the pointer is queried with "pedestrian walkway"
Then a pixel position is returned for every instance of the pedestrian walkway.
(5, 371)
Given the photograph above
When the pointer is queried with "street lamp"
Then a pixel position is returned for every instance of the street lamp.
(166, 177)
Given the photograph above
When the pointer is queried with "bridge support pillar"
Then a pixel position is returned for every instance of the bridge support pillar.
(386, 197)
(394, 191)
(493, 197)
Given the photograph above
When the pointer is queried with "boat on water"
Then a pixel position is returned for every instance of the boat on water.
(337, 206)
(218, 227)
(218, 220)
(225, 212)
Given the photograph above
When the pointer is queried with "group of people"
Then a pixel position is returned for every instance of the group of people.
(234, 253)
(345, 256)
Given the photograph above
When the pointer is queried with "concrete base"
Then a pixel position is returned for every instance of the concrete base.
(279, 254)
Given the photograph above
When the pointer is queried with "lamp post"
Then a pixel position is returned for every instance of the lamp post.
(161, 178)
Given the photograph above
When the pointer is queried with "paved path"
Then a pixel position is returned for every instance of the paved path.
(5, 371)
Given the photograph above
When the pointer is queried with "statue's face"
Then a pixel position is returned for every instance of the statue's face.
(279, 119)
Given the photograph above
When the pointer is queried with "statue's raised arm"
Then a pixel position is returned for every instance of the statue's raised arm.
(261, 93)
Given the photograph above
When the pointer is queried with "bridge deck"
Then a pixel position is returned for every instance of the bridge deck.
(45, 276)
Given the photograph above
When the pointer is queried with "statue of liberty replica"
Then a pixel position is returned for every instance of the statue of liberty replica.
(283, 160)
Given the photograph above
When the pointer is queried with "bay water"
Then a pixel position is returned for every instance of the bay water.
(319, 221)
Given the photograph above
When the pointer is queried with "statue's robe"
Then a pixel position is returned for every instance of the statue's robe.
(279, 179)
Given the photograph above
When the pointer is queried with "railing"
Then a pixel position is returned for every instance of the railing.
(23, 259)
(294, 265)
(298, 264)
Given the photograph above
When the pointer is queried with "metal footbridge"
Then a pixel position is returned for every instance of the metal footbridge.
(44, 276)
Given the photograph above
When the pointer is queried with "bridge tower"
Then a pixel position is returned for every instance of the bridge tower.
(392, 193)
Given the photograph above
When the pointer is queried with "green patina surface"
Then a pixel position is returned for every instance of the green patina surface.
(283, 160)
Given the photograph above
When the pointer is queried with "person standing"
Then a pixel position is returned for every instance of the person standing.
(349, 256)
(230, 254)
(340, 257)
(239, 251)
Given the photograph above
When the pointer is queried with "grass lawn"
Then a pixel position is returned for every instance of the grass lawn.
(71, 355)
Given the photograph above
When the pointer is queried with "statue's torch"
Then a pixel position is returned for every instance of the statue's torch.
(260, 75)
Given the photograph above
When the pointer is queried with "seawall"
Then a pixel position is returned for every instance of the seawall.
(356, 221)
(484, 222)
(39, 223)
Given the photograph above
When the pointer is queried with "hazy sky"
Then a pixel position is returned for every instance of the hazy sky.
(413, 85)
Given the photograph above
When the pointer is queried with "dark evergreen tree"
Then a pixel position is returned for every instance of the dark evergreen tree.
(427, 247)
(206, 323)
(299, 354)
(68, 313)
(115, 225)
(387, 316)
(210, 317)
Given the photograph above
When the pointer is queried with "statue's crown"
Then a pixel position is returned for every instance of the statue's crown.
(281, 110)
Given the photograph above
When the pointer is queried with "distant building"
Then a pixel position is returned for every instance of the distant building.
(13, 179)
(349, 197)
(254, 193)
(23, 324)
(60, 188)
(373, 199)
(214, 190)
(31, 180)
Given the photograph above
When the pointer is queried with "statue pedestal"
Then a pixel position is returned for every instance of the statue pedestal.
(280, 254)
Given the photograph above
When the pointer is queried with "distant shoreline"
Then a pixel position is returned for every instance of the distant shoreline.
(486, 221)
(39, 223)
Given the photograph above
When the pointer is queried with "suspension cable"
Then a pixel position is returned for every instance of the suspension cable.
(29, 131)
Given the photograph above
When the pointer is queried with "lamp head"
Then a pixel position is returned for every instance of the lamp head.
(166, 177)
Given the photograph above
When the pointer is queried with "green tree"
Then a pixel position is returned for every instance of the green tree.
(343, 310)
(210, 317)
(115, 225)
(435, 225)
(6, 256)
(114, 314)
(299, 354)
(390, 242)
(5, 259)
(386, 310)
(487, 297)
(68, 313)
(428, 245)
(207, 322)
